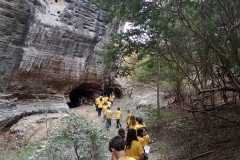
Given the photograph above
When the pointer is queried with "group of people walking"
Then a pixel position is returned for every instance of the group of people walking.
(103, 106)
(132, 142)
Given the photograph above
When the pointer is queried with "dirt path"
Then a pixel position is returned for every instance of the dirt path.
(34, 127)
(125, 104)
(90, 114)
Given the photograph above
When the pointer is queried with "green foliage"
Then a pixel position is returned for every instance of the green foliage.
(111, 53)
(193, 39)
(145, 70)
(76, 138)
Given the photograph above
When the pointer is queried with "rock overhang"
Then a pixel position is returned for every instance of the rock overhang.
(57, 49)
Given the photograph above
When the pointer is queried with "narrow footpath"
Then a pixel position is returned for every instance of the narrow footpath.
(125, 104)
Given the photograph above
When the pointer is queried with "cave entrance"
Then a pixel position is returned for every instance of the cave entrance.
(87, 92)
(84, 94)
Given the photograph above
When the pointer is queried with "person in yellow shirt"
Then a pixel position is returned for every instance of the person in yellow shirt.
(118, 115)
(140, 137)
(99, 105)
(105, 105)
(140, 123)
(116, 147)
(98, 100)
(106, 99)
(133, 147)
(132, 123)
(108, 118)
(128, 118)
(146, 136)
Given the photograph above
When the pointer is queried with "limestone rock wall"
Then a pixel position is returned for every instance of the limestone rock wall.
(49, 44)
(14, 17)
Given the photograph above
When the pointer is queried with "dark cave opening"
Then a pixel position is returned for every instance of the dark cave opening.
(84, 94)
(87, 92)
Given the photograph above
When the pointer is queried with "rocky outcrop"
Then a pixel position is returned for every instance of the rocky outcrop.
(12, 110)
(35, 128)
(48, 45)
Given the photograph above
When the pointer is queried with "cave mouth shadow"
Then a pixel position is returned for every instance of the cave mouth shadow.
(87, 92)
(84, 94)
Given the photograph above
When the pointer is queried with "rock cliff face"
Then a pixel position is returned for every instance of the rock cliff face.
(48, 45)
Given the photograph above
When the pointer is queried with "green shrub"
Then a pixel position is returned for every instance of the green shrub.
(74, 139)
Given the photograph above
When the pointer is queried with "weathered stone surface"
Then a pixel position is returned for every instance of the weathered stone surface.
(12, 110)
(35, 128)
(49, 45)
(14, 17)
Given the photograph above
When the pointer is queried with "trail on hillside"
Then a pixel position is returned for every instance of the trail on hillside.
(34, 128)
(89, 113)
(126, 103)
